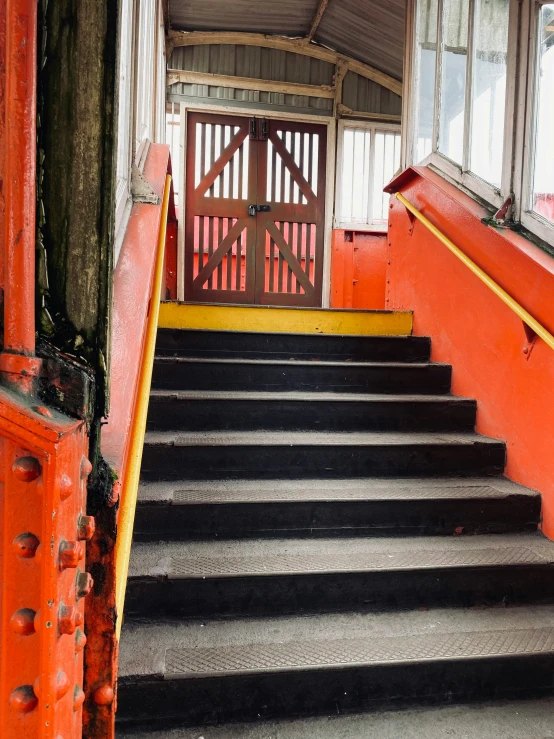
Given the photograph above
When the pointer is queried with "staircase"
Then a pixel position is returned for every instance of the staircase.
(319, 532)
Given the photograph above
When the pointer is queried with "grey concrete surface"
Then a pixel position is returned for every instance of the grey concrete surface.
(509, 720)
(143, 645)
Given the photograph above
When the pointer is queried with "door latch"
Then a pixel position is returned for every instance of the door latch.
(253, 209)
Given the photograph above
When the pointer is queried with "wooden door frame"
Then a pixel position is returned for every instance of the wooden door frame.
(329, 121)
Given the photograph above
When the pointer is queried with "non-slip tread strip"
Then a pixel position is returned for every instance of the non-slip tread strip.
(222, 567)
(319, 438)
(329, 654)
(304, 396)
(316, 495)
(235, 361)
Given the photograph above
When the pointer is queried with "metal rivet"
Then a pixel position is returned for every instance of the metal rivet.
(78, 698)
(69, 618)
(84, 584)
(23, 621)
(86, 468)
(23, 699)
(80, 641)
(26, 469)
(66, 487)
(86, 527)
(25, 545)
(71, 553)
(104, 695)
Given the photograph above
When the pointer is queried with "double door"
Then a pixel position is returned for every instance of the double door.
(254, 210)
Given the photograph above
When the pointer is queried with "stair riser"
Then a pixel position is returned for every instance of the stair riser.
(206, 415)
(429, 379)
(331, 692)
(358, 518)
(287, 346)
(165, 462)
(345, 591)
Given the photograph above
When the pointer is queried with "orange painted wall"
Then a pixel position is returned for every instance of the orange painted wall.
(511, 377)
(358, 269)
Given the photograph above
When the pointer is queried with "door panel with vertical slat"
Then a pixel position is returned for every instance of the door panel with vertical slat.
(290, 238)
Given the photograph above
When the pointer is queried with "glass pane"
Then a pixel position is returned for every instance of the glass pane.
(543, 181)
(426, 50)
(453, 78)
(490, 50)
(355, 175)
(387, 162)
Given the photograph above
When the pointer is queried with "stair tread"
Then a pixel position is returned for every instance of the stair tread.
(201, 492)
(311, 438)
(252, 558)
(177, 649)
(525, 719)
(234, 361)
(301, 395)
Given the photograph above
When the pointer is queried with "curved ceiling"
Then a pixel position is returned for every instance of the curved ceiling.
(369, 30)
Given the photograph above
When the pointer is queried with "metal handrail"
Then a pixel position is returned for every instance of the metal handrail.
(518, 309)
(138, 426)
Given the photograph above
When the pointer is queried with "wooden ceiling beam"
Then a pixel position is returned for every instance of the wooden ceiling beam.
(284, 43)
(249, 83)
(321, 8)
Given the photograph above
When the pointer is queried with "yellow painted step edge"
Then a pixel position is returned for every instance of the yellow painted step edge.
(284, 320)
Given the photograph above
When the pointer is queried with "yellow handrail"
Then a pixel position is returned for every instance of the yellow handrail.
(132, 471)
(519, 310)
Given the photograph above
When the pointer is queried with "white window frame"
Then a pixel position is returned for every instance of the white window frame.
(530, 220)
(520, 115)
(372, 128)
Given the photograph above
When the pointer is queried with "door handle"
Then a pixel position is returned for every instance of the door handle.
(253, 209)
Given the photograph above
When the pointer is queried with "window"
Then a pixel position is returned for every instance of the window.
(488, 89)
(542, 195)
(426, 52)
(482, 101)
(369, 156)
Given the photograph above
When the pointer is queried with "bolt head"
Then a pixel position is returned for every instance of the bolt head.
(86, 528)
(69, 618)
(26, 469)
(23, 699)
(71, 553)
(25, 545)
(84, 584)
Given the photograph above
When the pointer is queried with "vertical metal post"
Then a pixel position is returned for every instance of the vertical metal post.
(17, 362)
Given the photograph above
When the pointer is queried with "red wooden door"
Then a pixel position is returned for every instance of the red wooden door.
(254, 211)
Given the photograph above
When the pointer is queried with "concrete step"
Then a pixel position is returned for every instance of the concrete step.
(194, 373)
(206, 410)
(257, 345)
(204, 509)
(268, 577)
(178, 673)
(172, 455)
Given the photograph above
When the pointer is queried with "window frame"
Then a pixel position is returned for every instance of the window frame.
(519, 120)
(372, 127)
(528, 218)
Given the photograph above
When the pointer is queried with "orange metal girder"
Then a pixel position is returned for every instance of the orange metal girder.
(43, 473)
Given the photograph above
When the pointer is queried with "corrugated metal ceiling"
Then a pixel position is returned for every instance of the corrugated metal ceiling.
(369, 30)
